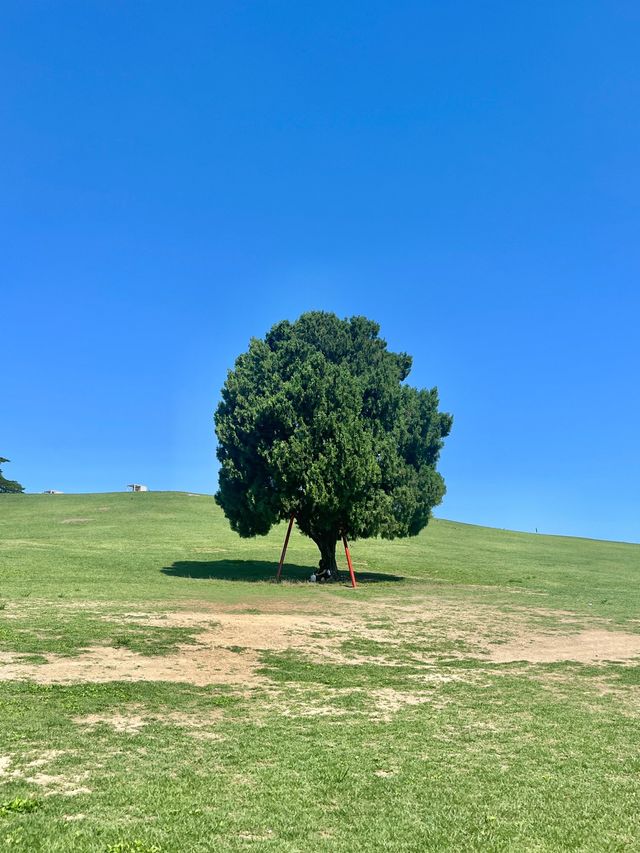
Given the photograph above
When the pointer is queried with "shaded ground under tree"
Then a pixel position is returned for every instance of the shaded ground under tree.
(256, 571)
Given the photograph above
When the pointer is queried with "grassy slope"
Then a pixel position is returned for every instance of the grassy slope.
(501, 763)
(142, 546)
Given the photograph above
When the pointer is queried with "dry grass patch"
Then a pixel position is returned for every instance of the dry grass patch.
(196, 665)
(388, 701)
(129, 724)
(133, 720)
(230, 642)
(70, 786)
(590, 646)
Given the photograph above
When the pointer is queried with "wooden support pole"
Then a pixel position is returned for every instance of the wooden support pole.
(349, 563)
(284, 548)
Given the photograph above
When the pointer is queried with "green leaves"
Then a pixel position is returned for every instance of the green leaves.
(19, 805)
(315, 420)
(9, 486)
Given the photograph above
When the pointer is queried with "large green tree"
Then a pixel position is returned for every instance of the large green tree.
(315, 421)
(8, 486)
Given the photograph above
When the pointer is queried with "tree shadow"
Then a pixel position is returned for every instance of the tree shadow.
(258, 570)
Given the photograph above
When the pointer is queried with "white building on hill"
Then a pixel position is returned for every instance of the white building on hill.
(137, 487)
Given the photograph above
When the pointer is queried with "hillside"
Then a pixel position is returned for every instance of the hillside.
(480, 690)
(123, 545)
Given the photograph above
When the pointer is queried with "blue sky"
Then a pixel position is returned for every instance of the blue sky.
(178, 177)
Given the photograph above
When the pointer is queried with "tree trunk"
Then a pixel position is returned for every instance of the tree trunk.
(327, 548)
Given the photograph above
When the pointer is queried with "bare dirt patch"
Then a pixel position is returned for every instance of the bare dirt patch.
(256, 631)
(590, 646)
(230, 641)
(389, 700)
(58, 785)
(75, 520)
(376, 705)
(132, 721)
(227, 650)
(46, 758)
(52, 783)
(309, 709)
(124, 723)
(101, 664)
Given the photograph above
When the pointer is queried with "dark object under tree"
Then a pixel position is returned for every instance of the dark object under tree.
(315, 421)
(9, 486)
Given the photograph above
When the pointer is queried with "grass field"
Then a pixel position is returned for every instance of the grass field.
(480, 690)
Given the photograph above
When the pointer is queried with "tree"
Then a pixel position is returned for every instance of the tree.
(315, 421)
(8, 486)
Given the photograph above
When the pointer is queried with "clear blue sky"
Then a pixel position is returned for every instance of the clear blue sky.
(175, 178)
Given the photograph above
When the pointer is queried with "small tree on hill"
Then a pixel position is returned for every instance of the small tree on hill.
(8, 486)
(315, 421)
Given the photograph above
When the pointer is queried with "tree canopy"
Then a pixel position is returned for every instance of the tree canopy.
(8, 486)
(315, 421)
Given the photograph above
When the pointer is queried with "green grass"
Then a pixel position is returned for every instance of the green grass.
(32, 632)
(156, 546)
(474, 755)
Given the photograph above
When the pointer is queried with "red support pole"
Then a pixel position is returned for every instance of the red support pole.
(284, 548)
(349, 563)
